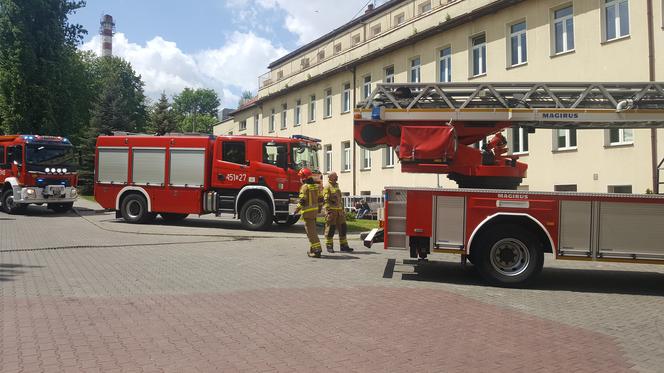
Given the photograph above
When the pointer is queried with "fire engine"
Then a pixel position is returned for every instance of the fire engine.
(505, 232)
(37, 170)
(253, 178)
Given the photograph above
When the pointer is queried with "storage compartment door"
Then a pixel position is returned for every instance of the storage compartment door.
(187, 168)
(450, 215)
(113, 165)
(631, 230)
(575, 228)
(149, 166)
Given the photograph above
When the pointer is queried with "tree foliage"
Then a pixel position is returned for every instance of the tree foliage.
(245, 97)
(162, 118)
(197, 109)
(43, 82)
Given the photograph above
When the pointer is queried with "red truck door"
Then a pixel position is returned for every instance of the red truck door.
(231, 168)
(4, 166)
(274, 165)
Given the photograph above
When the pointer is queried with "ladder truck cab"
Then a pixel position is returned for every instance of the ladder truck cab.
(253, 178)
(37, 170)
(502, 231)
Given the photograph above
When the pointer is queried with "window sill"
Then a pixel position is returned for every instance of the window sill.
(476, 76)
(345, 112)
(564, 150)
(554, 55)
(619, 145)
(327, 117)
(296, 125)
(388, 167)
(517, 65)
(628, 36)
(311, 121)
(345, 171)
(365, 169)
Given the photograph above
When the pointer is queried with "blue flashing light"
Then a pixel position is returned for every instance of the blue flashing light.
(41, 180)
(305, 138)
(375, 113)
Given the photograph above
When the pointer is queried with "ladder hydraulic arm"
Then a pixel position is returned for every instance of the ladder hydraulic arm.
(433, 126)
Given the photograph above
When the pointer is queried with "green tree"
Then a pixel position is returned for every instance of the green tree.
(245, 97)
(44, 87)
(162, 119)
(195, 109)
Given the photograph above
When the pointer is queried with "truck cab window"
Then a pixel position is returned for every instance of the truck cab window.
(275, 154)
(15, 154)
(233, 152)
(2, 155)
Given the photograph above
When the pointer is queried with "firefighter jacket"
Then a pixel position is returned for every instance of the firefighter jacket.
(332, 197)
(309, 204)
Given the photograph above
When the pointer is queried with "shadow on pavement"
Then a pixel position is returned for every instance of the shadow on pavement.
(338, 257)
(554, 279)
(9, 271)
(213, 223)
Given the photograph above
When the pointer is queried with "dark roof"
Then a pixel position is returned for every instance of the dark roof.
(336, 32)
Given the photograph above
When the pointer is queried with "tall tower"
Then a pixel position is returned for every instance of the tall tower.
(106, 30)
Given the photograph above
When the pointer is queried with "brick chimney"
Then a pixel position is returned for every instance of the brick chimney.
(370, 8)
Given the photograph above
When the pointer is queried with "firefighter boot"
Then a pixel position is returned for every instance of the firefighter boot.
(342, 239)
(314, 251)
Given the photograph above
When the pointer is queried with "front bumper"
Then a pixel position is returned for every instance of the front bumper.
(48, 194)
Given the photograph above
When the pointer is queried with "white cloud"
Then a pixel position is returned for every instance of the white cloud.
(164, 67)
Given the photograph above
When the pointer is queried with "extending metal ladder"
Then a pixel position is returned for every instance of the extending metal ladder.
(537, 105)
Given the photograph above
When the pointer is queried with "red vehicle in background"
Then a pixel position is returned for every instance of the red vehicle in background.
(37, 170)
(253, 178)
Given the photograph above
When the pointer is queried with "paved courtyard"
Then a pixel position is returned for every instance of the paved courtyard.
(85, 293)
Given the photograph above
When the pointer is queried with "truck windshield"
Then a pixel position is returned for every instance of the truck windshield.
(305, 156)
(50, 155)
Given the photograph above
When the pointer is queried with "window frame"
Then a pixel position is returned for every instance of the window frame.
(223, 151)
(312, 109)
(297, 113)
(365, 156)
(327, 102)
(242, 126)
(606, 4)
(271, 124)
(612, 189)
(284, 117)
(345, 98)
(564, 37)
(402, 17)
(375, 30)
(388, 157)
(366, 86)
(445, 77)
(347, 159)
(522, 134)
(481, 49)
(386, 76)
(328, 158)
(521, 37)
(417, 69)
(621, 137)
(256, 124)
(568, 139)
(422, 5)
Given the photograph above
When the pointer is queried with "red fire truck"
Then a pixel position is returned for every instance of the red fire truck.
(502, 231)
(37, 170)
(253, 178)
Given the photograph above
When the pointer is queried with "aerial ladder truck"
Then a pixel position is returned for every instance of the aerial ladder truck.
(505, 232)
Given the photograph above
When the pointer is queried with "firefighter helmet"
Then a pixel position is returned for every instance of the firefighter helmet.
(305, 173)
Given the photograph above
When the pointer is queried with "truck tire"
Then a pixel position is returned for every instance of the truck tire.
(172, 217)
(256, 215)
(134, 210)
(60, 208)
(507, 255)
(291, 220)
(8, 205)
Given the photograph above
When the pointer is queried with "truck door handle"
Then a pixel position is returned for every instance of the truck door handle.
(221, 177)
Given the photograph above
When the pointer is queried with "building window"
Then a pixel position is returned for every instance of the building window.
(337, 48)
(518, 49)
(479, 55)
(375, 30)
(445, 65)
(284, 113)
(355, 39)
(345, 101)
(424, 7)
(321, 55)
(280, 75)
(389, 74)
(328, 158)
(621, 136)
(298, 113)
(304, 62)
(415, 70)
(388, 157)
(366, 159)
(346, 161)
(328, 103)
(256, 125)
(627, 189)
(563, 30)
(399, 19)
(565, 188)
(616, 19)
(271, 125)
(565, 139)
(312, 108)
(519, 140)
(366, 87)
(243, 125)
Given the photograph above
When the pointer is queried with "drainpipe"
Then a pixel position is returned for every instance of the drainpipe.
(652, 77)
(354, 162)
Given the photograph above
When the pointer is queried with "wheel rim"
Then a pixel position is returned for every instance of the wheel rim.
(510, 257)
(134, 209)
(9, 202)
(255, 215)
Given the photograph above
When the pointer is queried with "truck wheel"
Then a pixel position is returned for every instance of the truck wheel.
(173, 218)
(507, 255)
(291, 220)
(256, 215)
(60, 208)
(8, 205)
(134, 209)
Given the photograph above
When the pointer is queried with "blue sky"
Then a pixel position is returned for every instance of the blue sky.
(223, 45)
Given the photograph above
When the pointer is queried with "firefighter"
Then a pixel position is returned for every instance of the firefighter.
(309, 206)
(335, 215)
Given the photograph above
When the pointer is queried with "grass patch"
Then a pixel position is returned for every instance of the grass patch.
(358, 225)
(89, 198)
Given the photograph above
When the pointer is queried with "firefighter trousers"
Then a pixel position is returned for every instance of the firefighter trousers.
(335, 221)
(312, 234)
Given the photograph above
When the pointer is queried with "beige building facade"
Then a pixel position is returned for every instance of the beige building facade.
(312, 91)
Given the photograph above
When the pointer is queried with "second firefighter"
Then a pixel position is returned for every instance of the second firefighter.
(335, 219)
